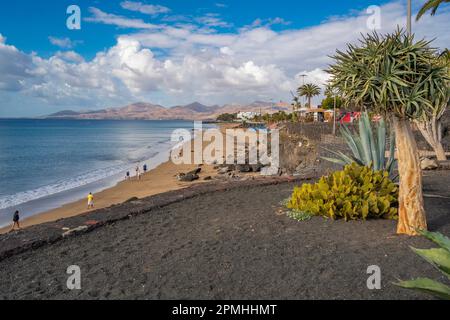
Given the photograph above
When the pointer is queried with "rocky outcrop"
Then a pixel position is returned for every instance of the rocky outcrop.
(428, 164)
(187, 177)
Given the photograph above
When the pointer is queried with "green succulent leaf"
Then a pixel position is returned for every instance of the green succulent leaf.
(428, 286)
(437, 238)
(368, 146)
(438, 257)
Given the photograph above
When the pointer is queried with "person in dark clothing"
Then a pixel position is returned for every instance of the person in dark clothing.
(16, 221)
(145, 168)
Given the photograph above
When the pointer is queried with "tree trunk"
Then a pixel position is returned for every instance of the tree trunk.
(440, 152)
(431, 131)
(411, 211)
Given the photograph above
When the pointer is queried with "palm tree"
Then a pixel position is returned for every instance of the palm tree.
(309, 91)
(296, 105)
(392, 75)
(432, 5)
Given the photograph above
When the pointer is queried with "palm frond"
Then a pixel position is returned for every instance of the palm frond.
(432, 5)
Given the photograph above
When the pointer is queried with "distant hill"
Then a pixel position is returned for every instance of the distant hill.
(148, 111)
(197, 107)
(65, 113)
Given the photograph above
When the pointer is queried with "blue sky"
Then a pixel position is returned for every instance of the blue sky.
(175, 52)
(28, 24)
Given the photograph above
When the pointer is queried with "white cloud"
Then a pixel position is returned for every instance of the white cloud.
(213, 20)
(240, 66)
(267, 23)
(144, 8)
(98, 16)
(15, 67)
(65, 43)
(70, 56)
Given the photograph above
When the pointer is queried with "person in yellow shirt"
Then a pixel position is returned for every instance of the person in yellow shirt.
(90, 201)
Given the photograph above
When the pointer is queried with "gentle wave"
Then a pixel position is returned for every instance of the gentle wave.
(137, 156)
(60, 186)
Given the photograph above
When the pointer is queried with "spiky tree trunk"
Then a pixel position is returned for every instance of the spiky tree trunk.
(432, 132)
(411, 211)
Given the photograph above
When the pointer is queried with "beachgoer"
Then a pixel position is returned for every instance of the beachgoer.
(145, 168)
(90, 200)
(138, 173)
(16, 221)
(127, 177)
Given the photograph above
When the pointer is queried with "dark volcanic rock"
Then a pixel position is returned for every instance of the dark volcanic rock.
(243, 168)
(256, 167)
(189, 177)
(195, 172)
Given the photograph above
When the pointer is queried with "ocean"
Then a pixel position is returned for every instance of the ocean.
(47, 163)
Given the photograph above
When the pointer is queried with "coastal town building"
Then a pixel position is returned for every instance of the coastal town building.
(247, 116)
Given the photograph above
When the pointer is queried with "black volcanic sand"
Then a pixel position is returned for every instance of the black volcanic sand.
(230, 245)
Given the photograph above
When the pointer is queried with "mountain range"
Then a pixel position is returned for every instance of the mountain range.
(148, 111)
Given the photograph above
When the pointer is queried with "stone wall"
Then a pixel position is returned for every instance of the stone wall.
(303, 145)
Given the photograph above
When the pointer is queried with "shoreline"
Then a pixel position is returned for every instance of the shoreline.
(158, 180)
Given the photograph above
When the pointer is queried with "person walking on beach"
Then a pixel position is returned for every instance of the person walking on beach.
(16, 221)
(90, 201)
(145, 168)
(127, 177)
(138, 173)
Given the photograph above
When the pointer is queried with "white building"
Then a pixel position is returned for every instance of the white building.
(246, 116)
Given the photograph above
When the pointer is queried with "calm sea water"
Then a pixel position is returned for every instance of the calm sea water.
(46, 163)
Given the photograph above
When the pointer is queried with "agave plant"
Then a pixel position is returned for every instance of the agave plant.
(438, 257)
(368, 149)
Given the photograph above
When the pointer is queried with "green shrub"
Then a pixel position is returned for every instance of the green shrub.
(299, 215)
(438, 257)
(357, 192)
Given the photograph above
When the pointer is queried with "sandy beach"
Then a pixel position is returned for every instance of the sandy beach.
(159, 180)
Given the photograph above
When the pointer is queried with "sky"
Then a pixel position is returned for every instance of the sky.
(174, 52)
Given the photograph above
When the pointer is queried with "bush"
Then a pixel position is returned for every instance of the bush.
(299, 215)
(227, 117)
(357, 192)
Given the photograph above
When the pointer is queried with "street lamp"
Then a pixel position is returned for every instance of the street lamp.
(303, 83)
(409, 18)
